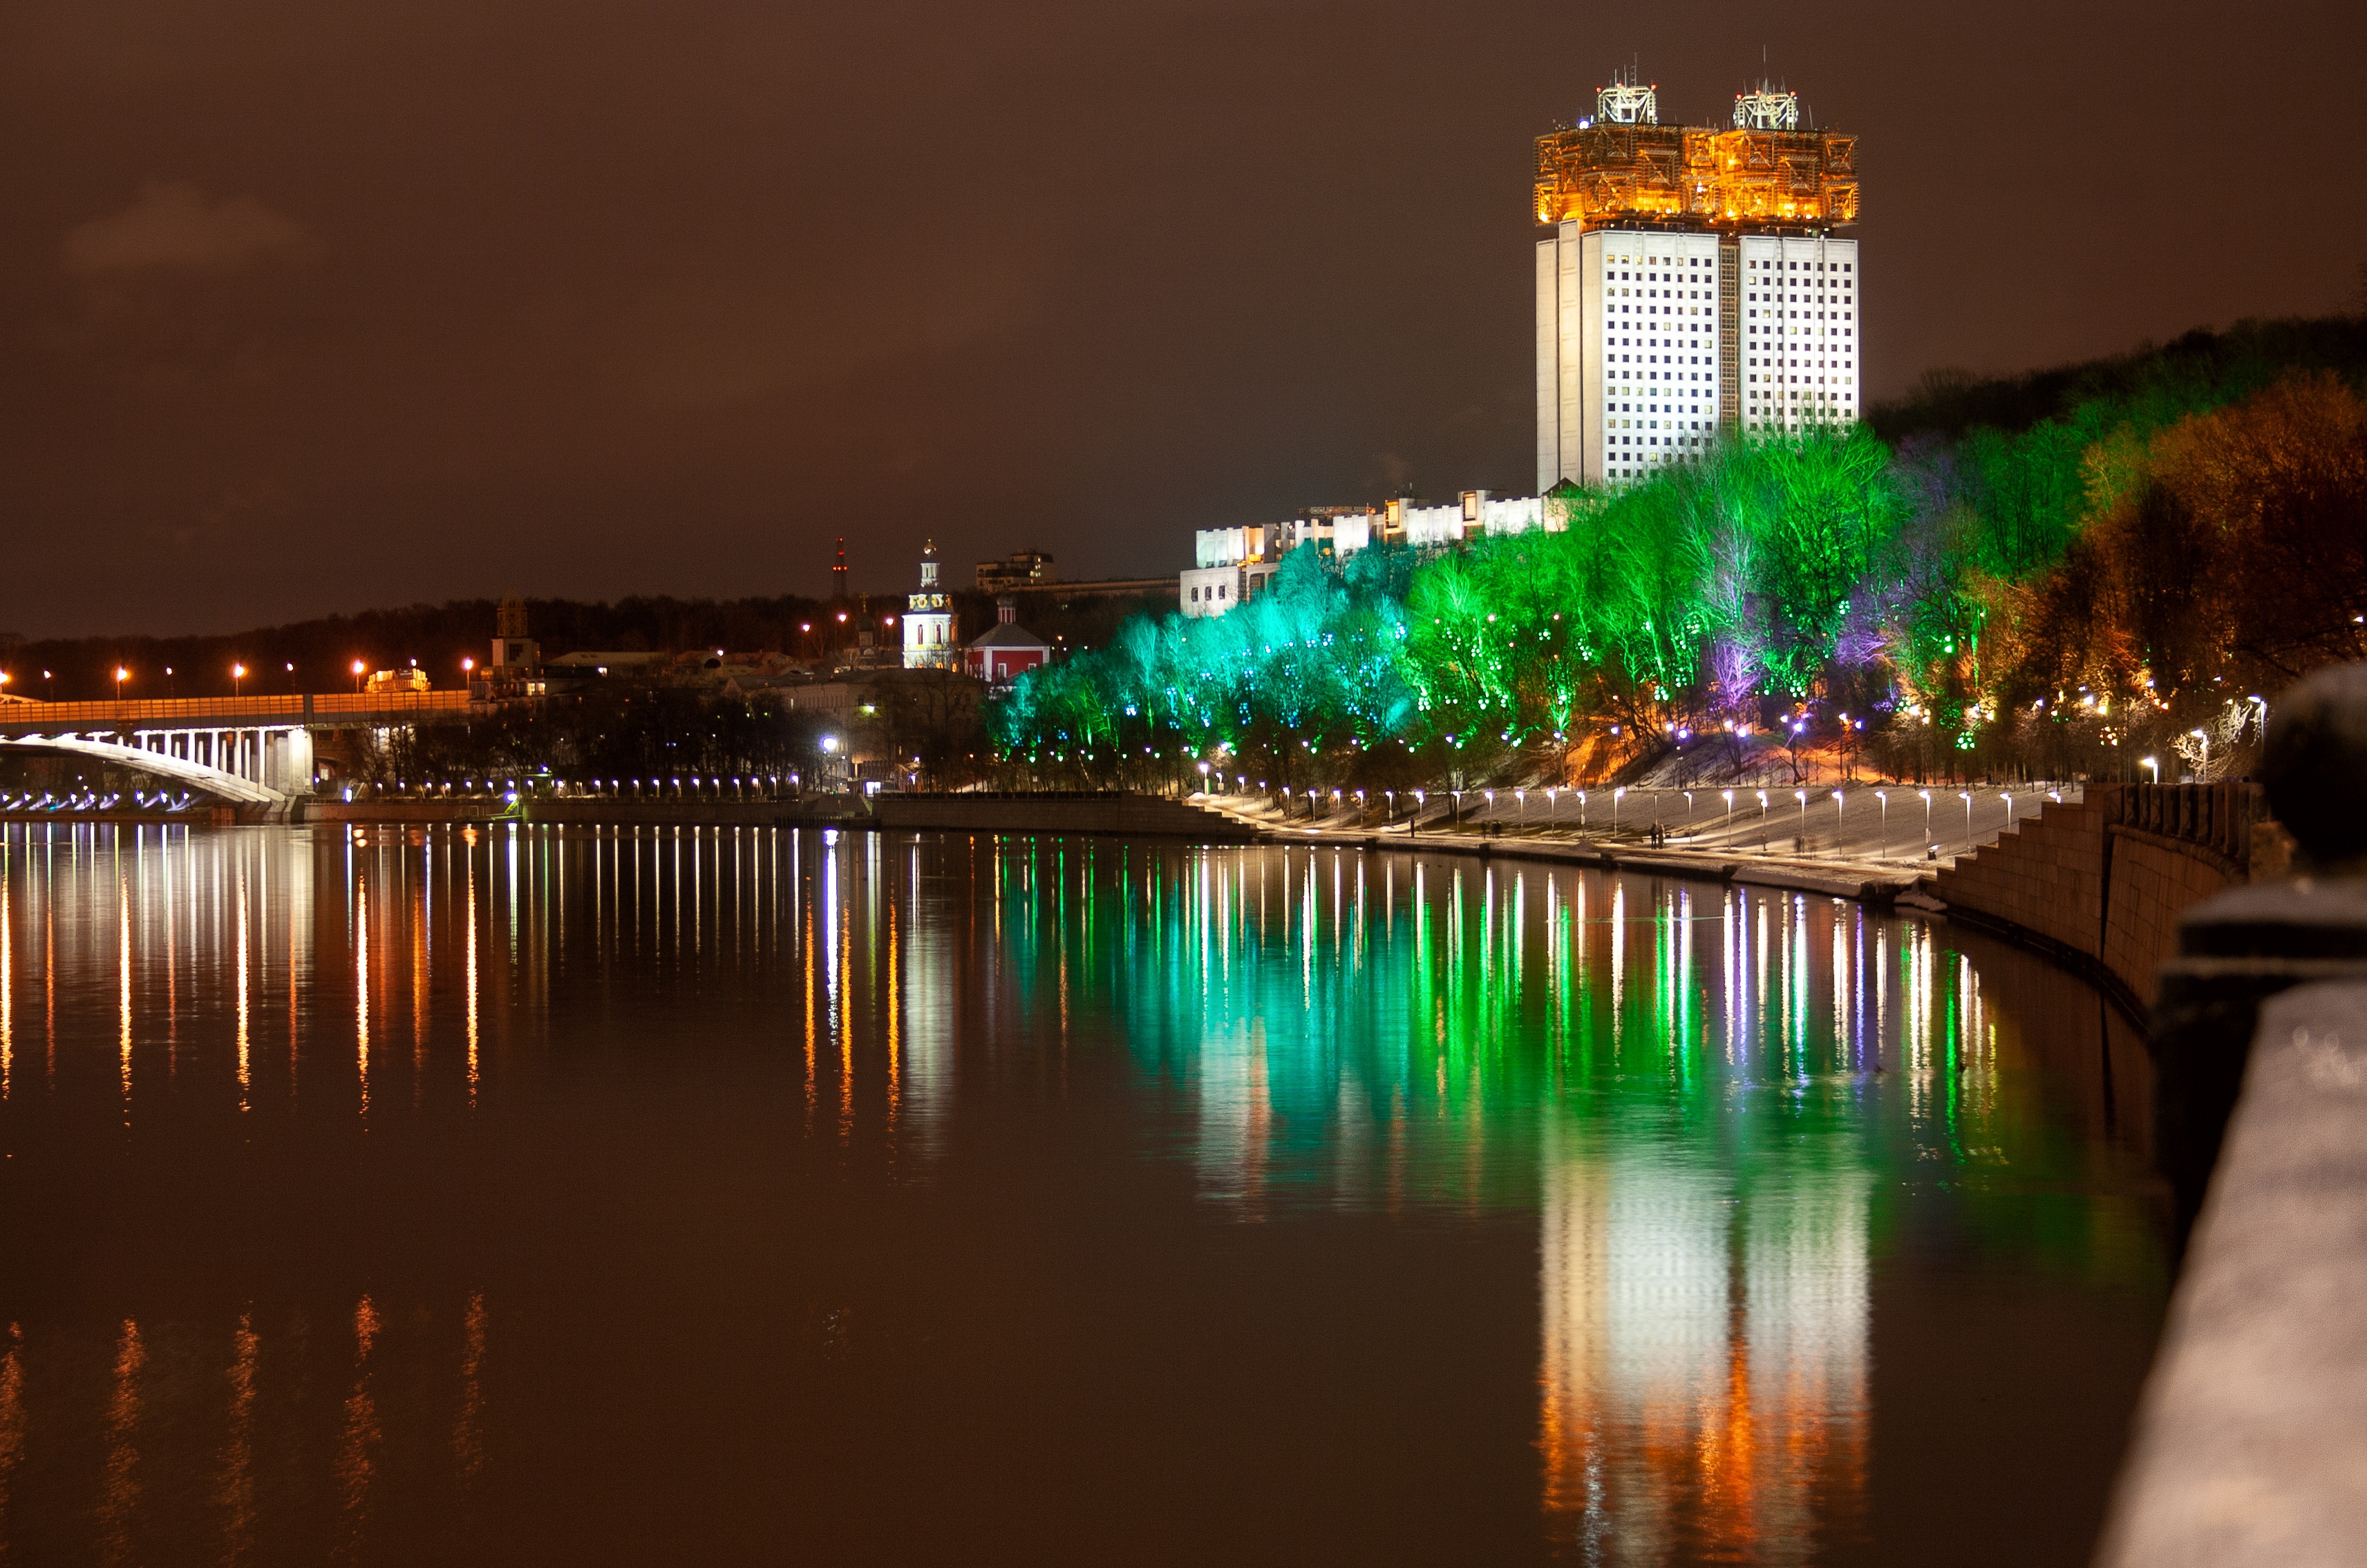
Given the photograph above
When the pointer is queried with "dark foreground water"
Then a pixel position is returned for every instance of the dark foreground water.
(755, 1196)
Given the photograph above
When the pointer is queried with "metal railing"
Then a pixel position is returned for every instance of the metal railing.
(226, 712)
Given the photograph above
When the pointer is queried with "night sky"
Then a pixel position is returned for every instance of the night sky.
(310, 308)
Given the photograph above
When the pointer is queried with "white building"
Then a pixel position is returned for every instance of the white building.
(1235, 564)
(929, 621)
(1629, 328)
(1692, 287)
(1211, 590)
(1799, 331)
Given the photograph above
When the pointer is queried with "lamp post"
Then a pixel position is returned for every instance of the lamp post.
(1689, 807)
(122, 675)
(357, 677)
(1801, 817)
(1729, 814)
(1762, 821)
(1927, 820)
(237, 674)
(2149, 762)
(2203, 768)
(1884, 851)
(1966, 796)
(1616, 796)
(1837, 824)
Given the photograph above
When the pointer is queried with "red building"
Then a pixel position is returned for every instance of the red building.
(1008, 650)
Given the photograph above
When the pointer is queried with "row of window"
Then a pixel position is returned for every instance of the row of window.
(1215, 592)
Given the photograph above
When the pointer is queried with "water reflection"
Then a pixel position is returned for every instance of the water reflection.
(1714, 1108)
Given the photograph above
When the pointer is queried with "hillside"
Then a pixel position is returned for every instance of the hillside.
(2149, 387)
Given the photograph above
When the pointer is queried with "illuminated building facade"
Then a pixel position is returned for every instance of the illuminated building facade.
(1692, 285)
(929, 620)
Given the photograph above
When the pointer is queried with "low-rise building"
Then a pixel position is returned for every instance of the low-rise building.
(1233, 565)
(1007, 650)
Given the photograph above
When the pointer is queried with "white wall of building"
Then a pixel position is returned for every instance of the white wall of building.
(1511, 514)
(929, 640)
(1649, 304)
(1210, 590)
(1629, 333)
(1800, 321)
(1433, 525)
(1231, 547)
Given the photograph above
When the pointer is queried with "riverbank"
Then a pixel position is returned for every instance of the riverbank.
(1871, 881)
(1207, 819)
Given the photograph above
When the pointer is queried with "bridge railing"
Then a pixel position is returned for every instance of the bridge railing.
(166, 713)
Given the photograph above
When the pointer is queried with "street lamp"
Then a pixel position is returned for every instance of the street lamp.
(1967, 796)
(1884, 796)
(1616, 796)
(1801, 815)
(1762, 821)
(237, 674)
(2202, 767)
(1927, 820)
(357, 677)
(1837, 824)
(122, 675)
(1729, 814)
(2149, 762)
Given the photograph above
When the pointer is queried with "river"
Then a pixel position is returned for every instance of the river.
(531, 1195)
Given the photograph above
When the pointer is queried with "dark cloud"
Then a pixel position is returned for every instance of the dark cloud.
(314, 306)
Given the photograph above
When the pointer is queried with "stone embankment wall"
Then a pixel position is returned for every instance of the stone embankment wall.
(2101, 883)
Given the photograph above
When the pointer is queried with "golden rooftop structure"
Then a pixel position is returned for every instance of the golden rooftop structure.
(1622, 168)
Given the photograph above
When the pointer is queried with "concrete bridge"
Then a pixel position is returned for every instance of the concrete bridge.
(251, 750)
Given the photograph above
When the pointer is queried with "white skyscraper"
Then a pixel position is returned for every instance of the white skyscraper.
(1692, 287)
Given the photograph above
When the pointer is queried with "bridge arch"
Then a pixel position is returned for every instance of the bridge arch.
(213, 780)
